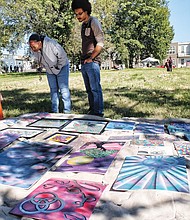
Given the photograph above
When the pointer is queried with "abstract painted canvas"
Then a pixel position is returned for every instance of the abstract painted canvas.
(23, 132)
(7, 138)
(94, 157)
(85, 126)
(147, 142)
(180, 125)
(151, 147)
(24, 163)
(153, 172)
(148, 128)
(32, 117)
(187, 136)
(182, 147)
(175, 130)
(154, 150)
(163, 137)
(58, 199)
(61, 137)
(49, 123)
(120, 125)
(123, 137)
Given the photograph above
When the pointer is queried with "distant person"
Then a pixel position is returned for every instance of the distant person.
(11, 68)
(166, 65)
(170, 64)
(53, 58)
(20, 67)
(92, 44)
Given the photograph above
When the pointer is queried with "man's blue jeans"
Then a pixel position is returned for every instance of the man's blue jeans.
(91, 76)
(60, 83)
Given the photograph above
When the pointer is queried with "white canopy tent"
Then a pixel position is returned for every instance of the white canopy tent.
(149, 60)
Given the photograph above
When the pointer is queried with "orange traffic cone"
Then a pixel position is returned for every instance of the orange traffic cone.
(1, 109)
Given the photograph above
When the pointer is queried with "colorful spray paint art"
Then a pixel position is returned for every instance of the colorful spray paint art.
(120, 125)
(23, 132)
(94, 157)
(58, 199)
(61, 137)
(7, 138)
(49, 123)
(182, 148)
(153, 172)
(85, 126)
(24, 163)
(148, 128)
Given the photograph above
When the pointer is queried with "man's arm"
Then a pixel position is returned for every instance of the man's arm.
(99, 36)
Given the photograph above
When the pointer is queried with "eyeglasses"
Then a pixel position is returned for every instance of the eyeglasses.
(79, 14)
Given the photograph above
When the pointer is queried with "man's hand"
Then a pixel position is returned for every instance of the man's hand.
(89, 60)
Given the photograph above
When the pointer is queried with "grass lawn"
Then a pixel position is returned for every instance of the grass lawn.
(147, 93)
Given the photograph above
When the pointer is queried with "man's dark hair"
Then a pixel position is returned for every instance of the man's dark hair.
(84, 4)
(35, 37)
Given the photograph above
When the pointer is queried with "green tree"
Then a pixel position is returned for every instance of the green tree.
(142, 27)
(104, 10)
(52, 18)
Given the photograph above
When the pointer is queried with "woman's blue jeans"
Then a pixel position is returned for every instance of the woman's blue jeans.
(60, 83)
(91, 76)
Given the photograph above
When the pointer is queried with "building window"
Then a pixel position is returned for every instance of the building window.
(182, 49)
(172, 50)
(188, 50)
(182, 61)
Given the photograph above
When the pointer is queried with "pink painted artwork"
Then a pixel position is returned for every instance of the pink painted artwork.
(58, 199)
(93, 157)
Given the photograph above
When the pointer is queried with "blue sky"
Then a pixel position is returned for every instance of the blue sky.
(179, 19)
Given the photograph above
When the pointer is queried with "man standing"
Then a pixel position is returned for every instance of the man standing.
(92, 44)
(170, 64)
(53, 58)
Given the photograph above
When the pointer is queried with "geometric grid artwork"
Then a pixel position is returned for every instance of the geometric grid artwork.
(58, 199)
(93, 157)
(6, 139)
(85, 126)
(120, 125)
(182, 147)
(24, 163)
(61, 137)
(123, 137)
(23, 132)
(150, 147)
(163, 137)
(147, 142)
(153, 172)
(49, 123)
